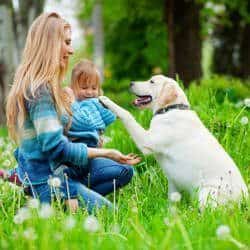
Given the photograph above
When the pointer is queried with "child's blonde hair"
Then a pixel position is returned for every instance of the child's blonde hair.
(40, 65)
(85, 72)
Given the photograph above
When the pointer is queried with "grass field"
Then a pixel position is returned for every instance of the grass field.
(143, 218)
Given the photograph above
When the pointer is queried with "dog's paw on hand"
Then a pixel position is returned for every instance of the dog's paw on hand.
(104, 100)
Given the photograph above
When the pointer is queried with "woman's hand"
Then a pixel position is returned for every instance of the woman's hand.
(116, 155)
(113, 154)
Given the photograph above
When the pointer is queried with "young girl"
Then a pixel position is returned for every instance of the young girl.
(90, 118)
(35, 102)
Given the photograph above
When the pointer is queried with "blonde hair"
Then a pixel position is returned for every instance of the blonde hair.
(85, 72)
(40, 65)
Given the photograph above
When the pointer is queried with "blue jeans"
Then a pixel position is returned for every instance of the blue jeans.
(90, 189)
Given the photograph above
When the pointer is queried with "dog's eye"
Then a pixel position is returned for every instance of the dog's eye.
(151, 81)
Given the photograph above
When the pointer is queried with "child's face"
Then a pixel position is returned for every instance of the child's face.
(87, 91)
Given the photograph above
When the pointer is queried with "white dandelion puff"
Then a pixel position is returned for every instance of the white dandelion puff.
(46, 211)
(22, 215)
(91, 224)
(29, 234)
(239, 104)
(175, 197)
(244, 120)
(247, 102)
(33, 203)
(69, 223)
(223, 232)
(18, 219)
(54, 182)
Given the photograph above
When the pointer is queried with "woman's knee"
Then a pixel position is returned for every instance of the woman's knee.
(126, 175)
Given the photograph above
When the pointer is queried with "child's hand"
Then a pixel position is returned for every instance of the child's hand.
(70, 97)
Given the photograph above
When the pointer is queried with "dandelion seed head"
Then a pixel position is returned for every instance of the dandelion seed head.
(239, 104)
(29, 234)
(33, 203)
(247, 102)
(69, 223)
(18, 219)
(46, 211)
(22, 215)
(54, 182)
(91, 224)
(175, 197)
(244, 120)
(223, 232)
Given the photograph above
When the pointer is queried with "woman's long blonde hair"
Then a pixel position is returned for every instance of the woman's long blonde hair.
(40, 65)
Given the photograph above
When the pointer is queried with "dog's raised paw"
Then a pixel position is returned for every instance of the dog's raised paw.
(104, 100)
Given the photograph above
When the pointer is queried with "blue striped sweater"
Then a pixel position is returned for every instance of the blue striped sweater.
(89, 119)
(43, 146)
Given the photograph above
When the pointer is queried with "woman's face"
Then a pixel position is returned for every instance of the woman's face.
(67, 49)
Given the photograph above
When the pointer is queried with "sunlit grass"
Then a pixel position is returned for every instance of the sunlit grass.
(143, 218)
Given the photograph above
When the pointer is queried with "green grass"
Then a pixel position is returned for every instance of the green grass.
(143, 215)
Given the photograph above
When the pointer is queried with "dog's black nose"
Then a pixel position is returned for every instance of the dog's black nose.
(132, 84)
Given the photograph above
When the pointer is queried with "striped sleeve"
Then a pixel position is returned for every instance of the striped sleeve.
(49, 131)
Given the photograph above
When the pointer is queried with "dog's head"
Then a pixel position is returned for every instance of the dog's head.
(158, 92)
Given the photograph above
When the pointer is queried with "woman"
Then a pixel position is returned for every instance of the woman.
(34, 105)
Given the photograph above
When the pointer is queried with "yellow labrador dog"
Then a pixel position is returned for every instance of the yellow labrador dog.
(191, 157)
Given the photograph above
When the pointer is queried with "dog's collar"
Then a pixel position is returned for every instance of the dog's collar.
(174, 106)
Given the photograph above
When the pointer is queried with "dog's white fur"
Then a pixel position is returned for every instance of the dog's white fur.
(189, 154)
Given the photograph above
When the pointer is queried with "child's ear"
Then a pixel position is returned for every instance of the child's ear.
(168, 94)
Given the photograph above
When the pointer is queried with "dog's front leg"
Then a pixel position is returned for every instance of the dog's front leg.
(140, 136)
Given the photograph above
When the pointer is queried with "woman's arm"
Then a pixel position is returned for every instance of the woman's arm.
(113, 154)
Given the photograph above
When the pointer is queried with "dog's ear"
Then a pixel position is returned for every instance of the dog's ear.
(168, 94)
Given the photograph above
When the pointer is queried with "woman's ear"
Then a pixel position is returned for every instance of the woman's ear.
(167, 95)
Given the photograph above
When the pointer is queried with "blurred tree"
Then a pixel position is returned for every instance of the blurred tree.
(14, 24)
(98, 45)
(135, 37)
(184, 39)
(230, 36)
(145, 37)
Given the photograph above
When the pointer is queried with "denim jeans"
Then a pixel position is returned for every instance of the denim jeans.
(90, 189)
